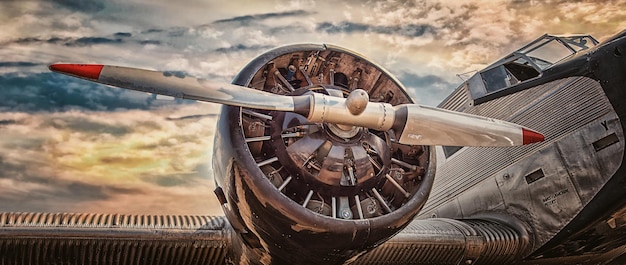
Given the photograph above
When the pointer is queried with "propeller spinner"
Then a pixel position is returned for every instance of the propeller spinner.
(413, 124)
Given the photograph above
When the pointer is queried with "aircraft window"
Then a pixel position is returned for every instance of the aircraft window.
(550, 53)
(508, 74)
(495, 78)
(549, 50)
(521, 70)
(448, 151)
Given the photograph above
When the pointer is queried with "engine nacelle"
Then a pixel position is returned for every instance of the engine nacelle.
(302, 192)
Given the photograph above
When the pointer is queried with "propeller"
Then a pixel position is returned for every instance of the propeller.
(413, 124)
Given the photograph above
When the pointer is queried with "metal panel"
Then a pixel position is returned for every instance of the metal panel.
(555, 109)
(484, 197)
(547, 204)
(64, 238)
(587, 174)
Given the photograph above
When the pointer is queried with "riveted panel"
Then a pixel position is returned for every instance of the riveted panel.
(602, 159)
(547, 203)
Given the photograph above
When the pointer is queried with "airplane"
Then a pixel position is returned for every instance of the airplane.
(322, 157)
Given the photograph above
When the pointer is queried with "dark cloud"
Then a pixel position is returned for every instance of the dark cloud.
(88, 6)
(177, 32)
(179, 74)
(18, 64)
(258, 17)
(122, 34)
(7, 122)
(56, 40)
(149, 31)
(117, 39)
(409, 30)
(84, 41)
(153, 42)
(242, 47)
(27, 40)
(55, 92)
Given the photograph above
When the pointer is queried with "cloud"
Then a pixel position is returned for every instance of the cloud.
(136, 153)
(247, 19)
(55, 92)
(410, 30)
(7, 122)
(151, 31)
(242, 47)
(29, 183)
(92, 41)
(82, 5)
(18, 64)
(150, 42)
(122, 34)
(134, 161)
(72, 42)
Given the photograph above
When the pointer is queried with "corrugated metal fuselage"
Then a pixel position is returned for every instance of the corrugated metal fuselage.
(566, 191)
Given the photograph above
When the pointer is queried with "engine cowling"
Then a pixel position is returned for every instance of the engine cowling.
(302, 192)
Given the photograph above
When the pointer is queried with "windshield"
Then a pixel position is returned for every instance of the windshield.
(548, 50)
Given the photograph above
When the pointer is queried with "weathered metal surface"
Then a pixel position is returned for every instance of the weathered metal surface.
(447, 241)
(566, 190)
(542, 108)
(67, 238)
(545, 185)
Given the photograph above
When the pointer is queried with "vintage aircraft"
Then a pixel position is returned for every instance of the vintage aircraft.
(321, 157)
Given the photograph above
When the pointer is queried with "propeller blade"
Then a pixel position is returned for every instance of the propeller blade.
(433, 126)
(413, 124)
(169, 84)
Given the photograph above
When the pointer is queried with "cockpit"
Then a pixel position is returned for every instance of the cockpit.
(510, 74)
(527, 63)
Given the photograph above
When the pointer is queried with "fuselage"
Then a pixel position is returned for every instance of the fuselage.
(567, 191)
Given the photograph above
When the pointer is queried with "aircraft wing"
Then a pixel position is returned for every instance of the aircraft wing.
(65, 238)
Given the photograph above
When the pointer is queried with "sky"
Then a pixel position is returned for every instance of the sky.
(68, 145)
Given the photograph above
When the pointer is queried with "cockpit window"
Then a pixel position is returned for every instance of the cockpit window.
(509, 74)
(527, 63)
(549, 50)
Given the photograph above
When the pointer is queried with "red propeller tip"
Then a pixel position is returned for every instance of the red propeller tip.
(530, 137)
(90, 71)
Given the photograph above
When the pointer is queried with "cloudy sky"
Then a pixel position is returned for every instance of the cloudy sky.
(70, 145)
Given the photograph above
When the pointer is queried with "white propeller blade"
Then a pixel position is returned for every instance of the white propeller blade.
(413, 124)
(164, 83)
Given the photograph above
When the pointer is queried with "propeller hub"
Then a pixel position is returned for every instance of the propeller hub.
(357, 101)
